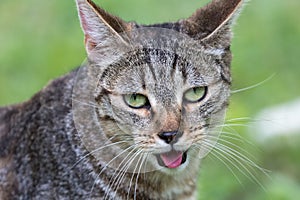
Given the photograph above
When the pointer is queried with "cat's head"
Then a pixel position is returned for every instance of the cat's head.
(159, 92)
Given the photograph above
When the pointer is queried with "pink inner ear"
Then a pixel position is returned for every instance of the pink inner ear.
(83, 21)
(88, 41)
(90, 45)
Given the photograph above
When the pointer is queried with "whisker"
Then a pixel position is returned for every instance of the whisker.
(243, 157)
(113, 177)
(90, 104)
(137, 178)
(231, 143)
(233, 125)
(128, 164)
(215, 154)
(230, 136)
(123, 170)
(239, 158)
(105, 167)
(245, 119)
(231, 160)
(135, 168)
(98, 149)
(253, 86)
(238, 119)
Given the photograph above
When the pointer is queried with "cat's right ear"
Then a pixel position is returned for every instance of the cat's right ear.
(98, 25)
(212, 23)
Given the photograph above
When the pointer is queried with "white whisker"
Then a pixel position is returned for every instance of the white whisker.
(94, 151)
(90, 104)
(217, 155)
(238, 119)
(124, 169)
(231, 143)
(137, 178)
(253, 86)
(235, 156)
(133, 173)
(108, 163)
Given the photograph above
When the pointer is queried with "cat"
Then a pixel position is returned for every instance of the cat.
(132, 123)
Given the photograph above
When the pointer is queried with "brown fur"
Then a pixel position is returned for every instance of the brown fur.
(43, 152)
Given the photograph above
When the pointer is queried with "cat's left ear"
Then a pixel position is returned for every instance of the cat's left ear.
(98, 25)
(212, 23)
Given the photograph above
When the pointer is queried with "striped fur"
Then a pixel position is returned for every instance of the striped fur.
(78, 139)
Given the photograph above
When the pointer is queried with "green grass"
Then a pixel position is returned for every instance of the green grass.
(41, 40)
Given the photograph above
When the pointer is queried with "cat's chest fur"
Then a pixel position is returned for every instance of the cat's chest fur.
(135, 122)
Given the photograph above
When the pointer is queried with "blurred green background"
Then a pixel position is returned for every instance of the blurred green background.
(41, 40)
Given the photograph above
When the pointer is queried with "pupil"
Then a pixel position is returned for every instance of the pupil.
(196, 90)
(134, 97)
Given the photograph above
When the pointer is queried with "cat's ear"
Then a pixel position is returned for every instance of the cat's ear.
(98, 25)
(212, 23)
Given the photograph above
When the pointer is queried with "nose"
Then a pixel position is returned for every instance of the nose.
(169, 137)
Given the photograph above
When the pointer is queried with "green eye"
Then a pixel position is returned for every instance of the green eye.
(195, 94)
(136, 100)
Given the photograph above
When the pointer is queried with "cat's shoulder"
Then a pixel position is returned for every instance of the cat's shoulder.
(29, 127)
(52, 101)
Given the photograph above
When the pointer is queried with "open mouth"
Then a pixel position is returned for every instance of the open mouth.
(171, 159)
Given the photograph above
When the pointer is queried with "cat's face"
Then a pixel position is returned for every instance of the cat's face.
(161, 94)
(163, 103)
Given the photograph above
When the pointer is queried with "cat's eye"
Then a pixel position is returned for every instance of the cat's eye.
(136, 100)
(195, 94)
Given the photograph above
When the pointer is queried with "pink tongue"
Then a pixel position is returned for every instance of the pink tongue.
(172, 159)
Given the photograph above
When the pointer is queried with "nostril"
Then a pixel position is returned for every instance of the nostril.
(168, 137)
